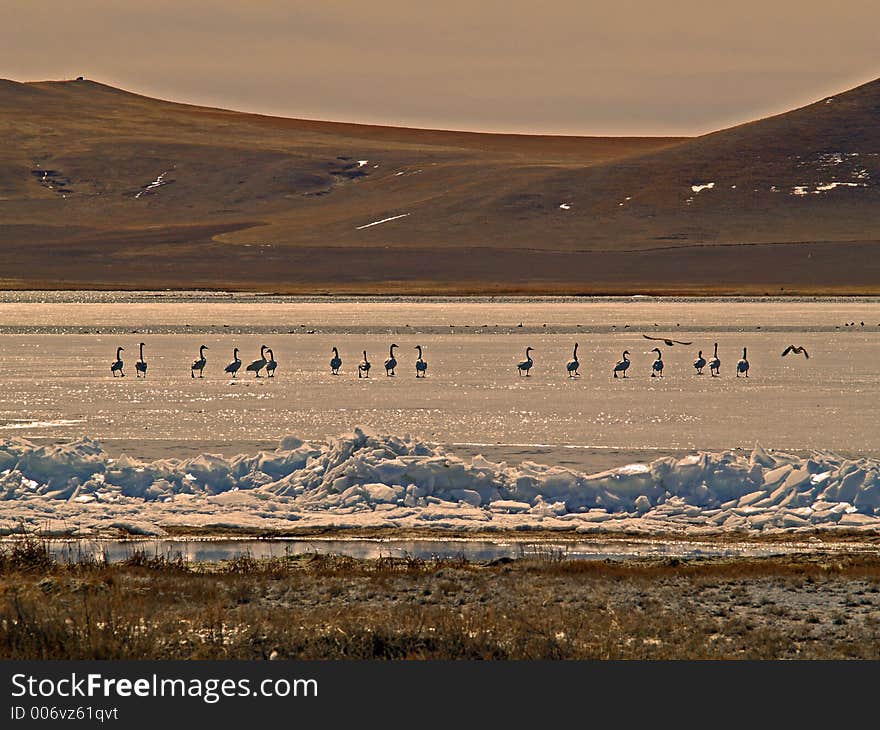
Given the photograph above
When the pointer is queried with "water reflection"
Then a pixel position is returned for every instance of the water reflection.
(212, 551)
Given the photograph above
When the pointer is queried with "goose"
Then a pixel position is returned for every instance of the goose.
(234, 366)
(573, 365)
(623, 365)
(258, 365)
(421, 365)
(799, 350)
(715, 363)
(657, 365)
(335, 362)
(364, 367)
(271, 365)
(141, 365)
(743, 365)
(391, 362)
(700, 363)
(526, 365)
(117, 366)
(199, 364)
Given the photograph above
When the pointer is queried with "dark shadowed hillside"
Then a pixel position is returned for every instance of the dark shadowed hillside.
(103, 188)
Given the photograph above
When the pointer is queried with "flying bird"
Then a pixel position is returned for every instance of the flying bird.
(799, 350)
(669, 342)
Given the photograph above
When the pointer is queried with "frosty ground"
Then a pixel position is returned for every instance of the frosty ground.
(322, 607)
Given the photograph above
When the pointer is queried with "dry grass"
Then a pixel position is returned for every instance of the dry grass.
(321, 607)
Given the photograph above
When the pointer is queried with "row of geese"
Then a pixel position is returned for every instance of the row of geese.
(266, 362)
(622, 366)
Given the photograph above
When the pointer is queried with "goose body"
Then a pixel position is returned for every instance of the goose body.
(117, 365)
(364, 367)
(235, 365)
(199, 364)
(421, 365)
(715, 363)
(657, 365)
(391, 362)
(573, 364)
(743, 365)
(622, 365)
(335, 362)
(700, 363)
(258, 365)
(526, 365)
(141, 365)
(271, 365)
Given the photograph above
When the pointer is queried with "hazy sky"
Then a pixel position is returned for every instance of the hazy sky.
(563, 66)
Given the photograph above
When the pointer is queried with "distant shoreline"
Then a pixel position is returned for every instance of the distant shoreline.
(103, 294)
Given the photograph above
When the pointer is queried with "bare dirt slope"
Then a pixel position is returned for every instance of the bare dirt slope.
(103, 188)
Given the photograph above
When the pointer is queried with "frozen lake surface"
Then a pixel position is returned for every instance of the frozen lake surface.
(56, 348)
(585, 455)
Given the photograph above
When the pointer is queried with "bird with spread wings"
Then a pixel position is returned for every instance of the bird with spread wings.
(669, 342)
(799, 350)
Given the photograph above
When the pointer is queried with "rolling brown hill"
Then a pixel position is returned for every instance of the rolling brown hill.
(103, 188)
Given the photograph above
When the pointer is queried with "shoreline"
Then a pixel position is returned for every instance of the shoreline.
(380, 292)
(816, 538)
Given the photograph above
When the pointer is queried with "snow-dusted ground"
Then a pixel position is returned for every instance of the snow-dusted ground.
(381, 481)
(55, 352)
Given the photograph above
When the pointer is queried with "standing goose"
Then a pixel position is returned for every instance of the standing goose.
(743, 365)
(573, 365)
(271, 365)
(199, 364)
(715, 363)
(335, 362)
(421, 365)
(623, 365)
(117, 366)
(391, 362)
(526, 365)
(657, 365)
(364, 367)
(258, 365)
(700, 363)
(141, 365)
(234, 366)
